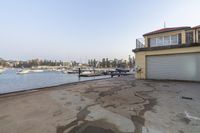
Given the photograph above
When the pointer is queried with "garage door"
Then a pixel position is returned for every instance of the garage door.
(174, 67)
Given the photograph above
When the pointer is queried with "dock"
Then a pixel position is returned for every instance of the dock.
(93, 73)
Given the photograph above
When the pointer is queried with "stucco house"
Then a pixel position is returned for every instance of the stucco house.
(169, 54)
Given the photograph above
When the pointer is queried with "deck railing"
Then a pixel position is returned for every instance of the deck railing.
(140, 43)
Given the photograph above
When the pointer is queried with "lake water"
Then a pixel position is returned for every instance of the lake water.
(11, 82)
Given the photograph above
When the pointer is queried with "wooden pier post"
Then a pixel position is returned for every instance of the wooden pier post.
(79, 72)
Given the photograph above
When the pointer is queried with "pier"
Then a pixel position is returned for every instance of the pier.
(91, 73)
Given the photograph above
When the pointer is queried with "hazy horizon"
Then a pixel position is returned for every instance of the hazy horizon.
(85, 29)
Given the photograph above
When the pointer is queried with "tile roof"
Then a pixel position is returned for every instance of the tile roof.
(167, 30)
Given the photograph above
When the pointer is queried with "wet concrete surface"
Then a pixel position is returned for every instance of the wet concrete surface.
(99, 126)
(93, 129)
(118, 105)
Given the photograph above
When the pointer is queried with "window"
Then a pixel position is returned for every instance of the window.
(166, 40)
(153, 42)
(159, 41)
(189, 37)
(174, 39)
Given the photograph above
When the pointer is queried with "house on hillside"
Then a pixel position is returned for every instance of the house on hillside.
(169, 53)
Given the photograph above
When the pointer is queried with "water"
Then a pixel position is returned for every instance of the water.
(11, 82)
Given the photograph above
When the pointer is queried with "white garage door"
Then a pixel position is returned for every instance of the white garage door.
(174, 67)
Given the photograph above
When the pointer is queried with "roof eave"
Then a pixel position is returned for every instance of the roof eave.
(165, 31)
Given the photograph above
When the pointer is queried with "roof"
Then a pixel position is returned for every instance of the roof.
(198, 26)
(163, 30)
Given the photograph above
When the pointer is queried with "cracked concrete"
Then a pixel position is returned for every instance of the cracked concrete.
(118, 105)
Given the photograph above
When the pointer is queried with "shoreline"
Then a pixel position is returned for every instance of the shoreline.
(22, 92)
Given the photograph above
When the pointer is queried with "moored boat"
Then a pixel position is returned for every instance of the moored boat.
(23, 71)
(37, 71)
(90, 74)
(72, 72)
(1, 71)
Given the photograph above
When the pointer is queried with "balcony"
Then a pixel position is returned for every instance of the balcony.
(140, 43)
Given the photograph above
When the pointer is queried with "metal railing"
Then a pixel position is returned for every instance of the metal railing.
(140, 43)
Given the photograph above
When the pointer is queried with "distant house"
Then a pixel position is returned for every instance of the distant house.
(169, 53)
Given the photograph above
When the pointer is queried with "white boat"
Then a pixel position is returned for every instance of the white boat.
(1, 71)
(71, 72)
(37, 71)
(24, 71)
(87, 73)
(65, 72)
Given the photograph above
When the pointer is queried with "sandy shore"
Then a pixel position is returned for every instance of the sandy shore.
(117, 105)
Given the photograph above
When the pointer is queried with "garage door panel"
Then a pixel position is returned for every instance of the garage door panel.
(178, 67)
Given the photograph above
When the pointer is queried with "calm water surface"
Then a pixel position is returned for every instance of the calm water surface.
(10, 81)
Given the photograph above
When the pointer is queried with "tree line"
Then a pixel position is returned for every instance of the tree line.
(36, 62)
(106, 63)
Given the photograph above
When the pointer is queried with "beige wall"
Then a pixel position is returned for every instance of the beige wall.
(197, 35)
(146, 41)
(140, 57)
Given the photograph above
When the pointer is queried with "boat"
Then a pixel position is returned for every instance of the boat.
(37, 71)
(65, 72)
(23, 71)
(90, 74)
(72, 72)
(1, 71)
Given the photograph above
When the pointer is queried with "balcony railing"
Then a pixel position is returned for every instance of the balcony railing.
(140, 43)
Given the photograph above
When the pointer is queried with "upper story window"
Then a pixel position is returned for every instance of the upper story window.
(174, 39)
(189, 37)
(153, 42)
(164, 40)
(159, 41)
(167, 40)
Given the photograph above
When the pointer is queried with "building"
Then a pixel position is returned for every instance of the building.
(169, 53)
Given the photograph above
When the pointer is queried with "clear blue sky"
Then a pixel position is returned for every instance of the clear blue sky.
(84, 29)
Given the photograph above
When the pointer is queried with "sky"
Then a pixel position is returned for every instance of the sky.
(85, 29)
